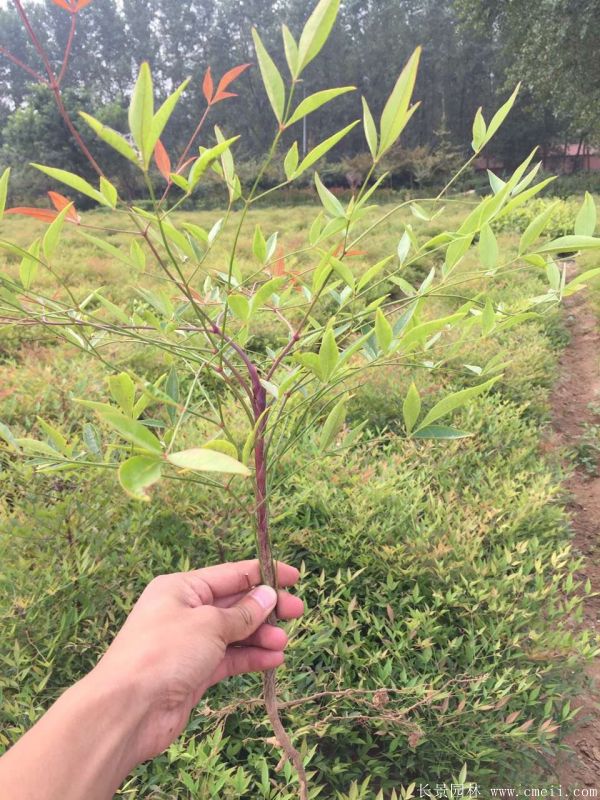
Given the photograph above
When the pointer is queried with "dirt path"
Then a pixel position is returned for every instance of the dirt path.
(577, 389)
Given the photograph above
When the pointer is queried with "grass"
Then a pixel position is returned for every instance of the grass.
(438, 578)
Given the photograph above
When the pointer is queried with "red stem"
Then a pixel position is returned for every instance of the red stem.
(22, 65)
(67, 52)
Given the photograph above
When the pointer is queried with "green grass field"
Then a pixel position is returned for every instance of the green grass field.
(438, 577)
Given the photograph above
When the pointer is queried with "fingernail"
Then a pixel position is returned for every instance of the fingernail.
(265, 596)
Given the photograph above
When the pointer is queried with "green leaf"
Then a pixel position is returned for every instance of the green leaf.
(333, 424)
(383, 331)
(112, 138)
(488, 248)
(137, 474)
(131, 429)
(290, 163)
(343, 270)
(259, 245)
(404, 246)
(4, 190)
(291, 50)
(109, 191)
(92, 441)
(141, 113)
(411, 407)
(57, 440)
(370, 129)
(456, 250)
(222, 446)
(107, 247)
(29, 266)
(240, 306)
(479, 131)
(396, 112)
(454, 401)
(488, 317)
(319, 151)
(74, 181)
(203, 459)
(578, 282)
(52, 235)
(501, 114)
(264, 292)
(585, 222)
(536, 226)
(207, 157)
(330, 202)
(316, 32)
(122, 389)
(440, 432)
(372, 272)
(570, 243)
(163, 115)
(315, 101)
(271, 76)
(328, 355)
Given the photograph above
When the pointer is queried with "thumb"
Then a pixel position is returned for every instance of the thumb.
(245, 617)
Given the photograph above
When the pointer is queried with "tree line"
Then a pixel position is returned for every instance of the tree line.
(474, 51)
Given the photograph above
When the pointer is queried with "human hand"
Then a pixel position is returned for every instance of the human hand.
(190, 630)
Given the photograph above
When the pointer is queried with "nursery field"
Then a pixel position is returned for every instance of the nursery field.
(441, 641)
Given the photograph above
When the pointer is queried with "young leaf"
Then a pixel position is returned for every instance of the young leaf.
(208, 86)
(131, 429)
(454, 401)
(137, 474)
(501, 114)
(370, 129)
(291, 50)
(577, 283)
(372, 272)
(162, 160)
(321, 149)
(411, 407)
(333, 424)
(440, 432)
(112, 138)
(396, 113)
(479, 131)
(108, 191)
(141, 113)
(404, 247)
(29, 266)
(315, 101)
(122, 389)
(240, 306)
(316, 32)
(570, 243)
(290, 163)
(271, 76)
(259, 245)
(264, 293)
(74, 181)
(222, 446)
(488, 317)
(203, 459)
(162, 116)
(488, 248)
(330, 202)
(383, 331)
(52, 235)
(585, 222)
(4, 190)
(227, 79)
(536, 226)
(328, 355)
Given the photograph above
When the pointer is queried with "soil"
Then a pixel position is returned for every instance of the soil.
(575, 399)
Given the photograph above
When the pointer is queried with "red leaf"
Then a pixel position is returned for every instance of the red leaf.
(163, 162)
(82, 4)
(64, 4)
(222, 96)
(278, 268)
(230, 76)
(208, 86)
(39, 213)
(59, 201)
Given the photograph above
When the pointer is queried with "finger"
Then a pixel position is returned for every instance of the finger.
(238, 660)
(238, 576)
(242, 619)
(288, 606)
(270, 637)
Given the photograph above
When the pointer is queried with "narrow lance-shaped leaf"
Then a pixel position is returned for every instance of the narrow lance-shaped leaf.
(333, 424)
(396, 113)
(454, 401)
(52, 235)
(316, 32)
(122, 389)
(411, 407)
(479, 131)
(383, 331)
(291, 50)
(131, 430)
(4, 190)
(536, 226)
(162, 116)
(315, 101)
(370, 129)
(272, 80)
(330, 202)
(290, 163)
(488, 248)
(141, 113)
(74, 181)
(112, 138)
(328, 354)
(321, 149)
(501, 114)
(570, 243)
(585, 222)
(202, 459)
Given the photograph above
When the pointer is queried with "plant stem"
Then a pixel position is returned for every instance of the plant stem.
(265, 557)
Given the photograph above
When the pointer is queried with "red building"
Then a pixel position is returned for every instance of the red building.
(559, 160)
